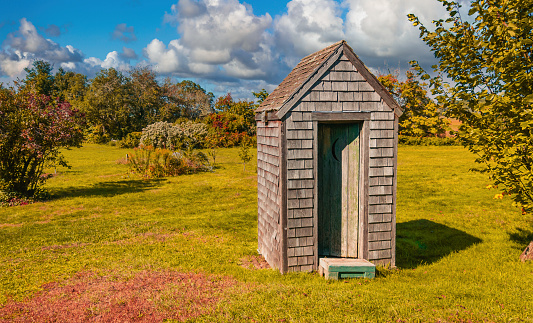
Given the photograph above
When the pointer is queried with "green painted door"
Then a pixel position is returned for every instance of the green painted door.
(338, 187)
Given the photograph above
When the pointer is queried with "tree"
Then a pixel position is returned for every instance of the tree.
(70, 86)
(33, 129)
(421, 117)
(261, 96)
(185, 99)
(108, 106)
(147, 97)
(489, 63)
(39, 79)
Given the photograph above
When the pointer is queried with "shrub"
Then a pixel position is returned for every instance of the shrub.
(132, 140)
(227, 129)
(427, 141)
(152, 162)
(193, 134)
(32, 131)
(161, 135)
(166, 135)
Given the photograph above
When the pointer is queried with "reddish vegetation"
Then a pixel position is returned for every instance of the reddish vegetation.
(254, 262)
(145, 297)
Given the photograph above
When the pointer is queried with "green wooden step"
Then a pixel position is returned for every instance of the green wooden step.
(339, 268)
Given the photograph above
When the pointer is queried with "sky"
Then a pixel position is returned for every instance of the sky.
(223, 45)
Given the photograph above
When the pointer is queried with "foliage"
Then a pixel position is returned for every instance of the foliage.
(427, 141)
(161, 135)
(421, 117)
(244, 153)
(193, 134)
(32, 131)
(153, 162)
(70, 87)
(233, 122)
(185, 99)
(490, 64)
(166, 135)
(132, 140)
(107, 106)
(39, 79)
(261, 96)
(147, 98)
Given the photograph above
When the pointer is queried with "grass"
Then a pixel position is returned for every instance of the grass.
(457, 247)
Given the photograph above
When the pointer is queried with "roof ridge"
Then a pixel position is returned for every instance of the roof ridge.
(297, 77)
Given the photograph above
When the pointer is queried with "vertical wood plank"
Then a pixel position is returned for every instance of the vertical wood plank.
(283, 191)
(353, 192)
(394, 186)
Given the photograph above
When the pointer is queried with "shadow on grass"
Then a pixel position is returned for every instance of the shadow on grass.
(108, 189)
(424, 242)
(521, 236)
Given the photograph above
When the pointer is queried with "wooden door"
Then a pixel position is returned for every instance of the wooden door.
(338, 187)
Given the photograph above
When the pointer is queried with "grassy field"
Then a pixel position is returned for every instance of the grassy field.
(110, 246)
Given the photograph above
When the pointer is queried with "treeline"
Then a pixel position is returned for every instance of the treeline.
(119, 105)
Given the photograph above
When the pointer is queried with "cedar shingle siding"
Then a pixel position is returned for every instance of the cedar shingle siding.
(335, 82)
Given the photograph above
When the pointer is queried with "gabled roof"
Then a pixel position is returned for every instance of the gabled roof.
(309, 70)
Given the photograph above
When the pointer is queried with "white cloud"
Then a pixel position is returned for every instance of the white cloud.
(25, 45)
(13, 65)
(166, 60)
(379, 29)
(112, 60)
(308, 26)
(218, 39)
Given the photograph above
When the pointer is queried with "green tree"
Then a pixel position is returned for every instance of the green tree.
(147, 98)
(39, 79)
(421, 116)
(185, 99)
(70, 86)
(33, 129)
(108, 106)
(261, 96)
(487, 59)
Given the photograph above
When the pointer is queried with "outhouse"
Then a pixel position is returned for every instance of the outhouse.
(326, 164)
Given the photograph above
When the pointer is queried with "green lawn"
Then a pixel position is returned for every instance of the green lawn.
(457, 247)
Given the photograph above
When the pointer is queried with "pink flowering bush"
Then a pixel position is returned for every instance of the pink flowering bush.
(33, 129)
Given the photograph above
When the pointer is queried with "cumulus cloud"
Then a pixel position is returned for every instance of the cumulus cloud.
(218, 39)
(124, 33)
(308, 26)
(224, 40)
(26, 45)
(112, 60)
(379, 29)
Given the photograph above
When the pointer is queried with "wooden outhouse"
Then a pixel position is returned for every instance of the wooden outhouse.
(327, 156)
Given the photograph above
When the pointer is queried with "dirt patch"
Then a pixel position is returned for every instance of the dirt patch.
(146, 297)
(254, 262)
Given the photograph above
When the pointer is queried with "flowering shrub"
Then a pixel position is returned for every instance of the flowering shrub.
(193, 134)
(32, 130)
(152, 162)
(166, 135)
(161, 135)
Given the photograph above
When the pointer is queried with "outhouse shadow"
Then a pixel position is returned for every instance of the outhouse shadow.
(109, 189)
(424, 242)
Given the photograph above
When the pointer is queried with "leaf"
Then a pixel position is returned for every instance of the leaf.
(528, 99)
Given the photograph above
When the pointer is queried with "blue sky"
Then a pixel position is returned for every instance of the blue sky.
(224, 45)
